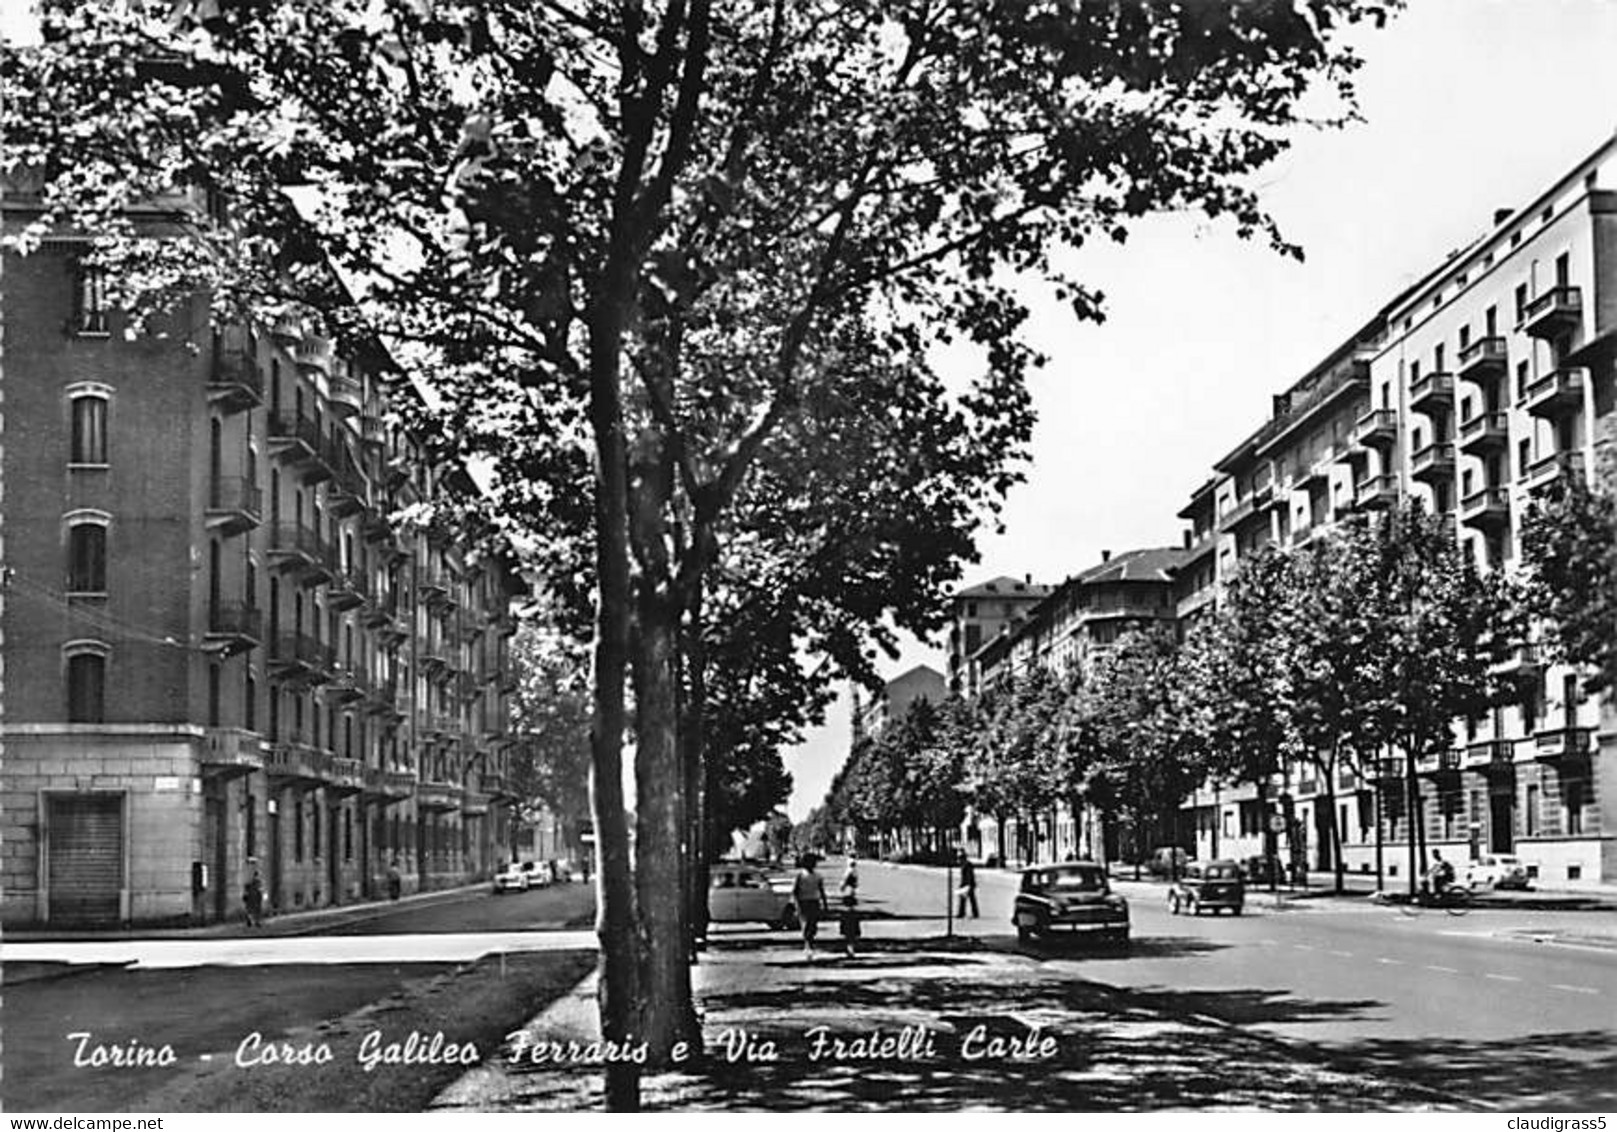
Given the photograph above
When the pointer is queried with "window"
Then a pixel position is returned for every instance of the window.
(1490, 318)
(1522, 378)
(86, 683)
(89, 299)
(88, 443)
(1437, 358)
(1531, 814)
(87, 556)
(297, 829)
(1521, 301)
(1524, 456)
(1465, 337)
(1563, 270)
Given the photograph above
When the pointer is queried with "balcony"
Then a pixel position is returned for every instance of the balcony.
(346, 589)
(230, 752)
(346, 494)
(1524, 662)
(346, 686)
(1376, 493)
(1432, 393)
(1565, 743)
(296, 442)
(378, 611)
(1555, 394)
(1554, 313)
(1487, 508)
(288, 328)
(1318, 477)
(383, 698)
(1385, 769)
(298, 549)
(344, 776)
(347, 396)
(233, 627)
(1483, 360)
(235, 504)
(1376, 429)
(1491, 754)
(372, 432)
(437, 796)
(296, 764)
(474, 804)
(433, 585)
(1440, 763)
(234, 381)
(1557, 468)
(313, 355)
(1485, 432)
(497, 785)
(1433, 464)
(300, 657)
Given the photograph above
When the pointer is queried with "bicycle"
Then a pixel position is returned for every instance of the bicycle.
(1455, 900)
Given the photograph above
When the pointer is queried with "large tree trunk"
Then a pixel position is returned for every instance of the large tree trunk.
(667, 1016)
(616, 921)
(693, 756)
(1411, 817)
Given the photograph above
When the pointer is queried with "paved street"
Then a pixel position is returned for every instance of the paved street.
(1468, 1002)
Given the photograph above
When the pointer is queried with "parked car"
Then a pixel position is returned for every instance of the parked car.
(518, 876)
(1497, 870)
(1073, 897)
(1167, 861)
(1210, 885)
(743, 894)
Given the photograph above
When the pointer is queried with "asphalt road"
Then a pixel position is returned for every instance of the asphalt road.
(1462, 1003)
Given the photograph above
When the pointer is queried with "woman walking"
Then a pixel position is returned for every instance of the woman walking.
(850, 908)
(808, 892)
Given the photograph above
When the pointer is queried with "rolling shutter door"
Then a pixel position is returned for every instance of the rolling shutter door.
(86, 858)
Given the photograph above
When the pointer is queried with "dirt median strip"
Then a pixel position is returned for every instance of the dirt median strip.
(390, 1056)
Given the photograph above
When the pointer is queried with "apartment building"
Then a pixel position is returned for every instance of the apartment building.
(1472, 391)
(899, 695)
(980, 613)
(222, 651)
(1068, 631)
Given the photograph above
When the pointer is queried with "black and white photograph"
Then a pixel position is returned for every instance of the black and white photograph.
(814, 556)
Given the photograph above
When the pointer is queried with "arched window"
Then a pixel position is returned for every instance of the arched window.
(87, 552)
(86, 681)
(87, 443)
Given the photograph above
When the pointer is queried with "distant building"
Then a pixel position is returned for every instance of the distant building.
(982, 612)
(920, 683)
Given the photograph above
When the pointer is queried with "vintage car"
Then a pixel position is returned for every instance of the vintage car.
(1073, 897)
(519, 876)
(1209, 886)
(1497, 870)
(740, 893)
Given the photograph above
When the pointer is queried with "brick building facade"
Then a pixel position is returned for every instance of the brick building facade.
(222, 651)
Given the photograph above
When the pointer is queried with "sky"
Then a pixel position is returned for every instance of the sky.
(1468, 106)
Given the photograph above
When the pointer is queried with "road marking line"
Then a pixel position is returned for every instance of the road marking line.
(1343, 954)
(1504, 978)
(1391, 962)
(1303, 947)
(1575, 990)
(1445, 970)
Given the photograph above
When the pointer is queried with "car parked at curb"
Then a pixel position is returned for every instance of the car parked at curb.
(1497, 870)
(1208, 886)
(519, 876)
(740, 893)
(1073, 897)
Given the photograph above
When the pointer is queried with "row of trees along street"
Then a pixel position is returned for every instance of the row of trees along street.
(1361, 646)
(675, 271)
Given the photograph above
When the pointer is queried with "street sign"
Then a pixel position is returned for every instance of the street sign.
(1277, 823)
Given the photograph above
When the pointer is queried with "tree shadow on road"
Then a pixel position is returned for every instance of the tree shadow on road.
(1574, 1070)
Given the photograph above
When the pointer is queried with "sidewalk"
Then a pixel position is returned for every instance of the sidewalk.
(922, 1023)
(287, 923)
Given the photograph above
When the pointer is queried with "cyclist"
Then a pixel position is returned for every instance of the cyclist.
(1440, 876)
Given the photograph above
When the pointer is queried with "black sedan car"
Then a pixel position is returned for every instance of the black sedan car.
(1074, 897)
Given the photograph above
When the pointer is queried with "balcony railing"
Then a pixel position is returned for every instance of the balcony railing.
(1558, 467)
(300, 656)
(1432, 392)
(345, 775)
(313, 353)
(437, 796)
(1376, 493)
(1483, 360)
(231, 752)
(1491, 753)
(1484, 432)
(235, 504)
(296, 762)
(1565, 743)
(1555, 394)
(233, 627)
(234, 381)
(300, 549)
(1376, 429)
(1553, 313)
(1432, 463)
(347, 395)
(1488, 507)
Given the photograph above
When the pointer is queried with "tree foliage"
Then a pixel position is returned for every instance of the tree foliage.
(1570, 547)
